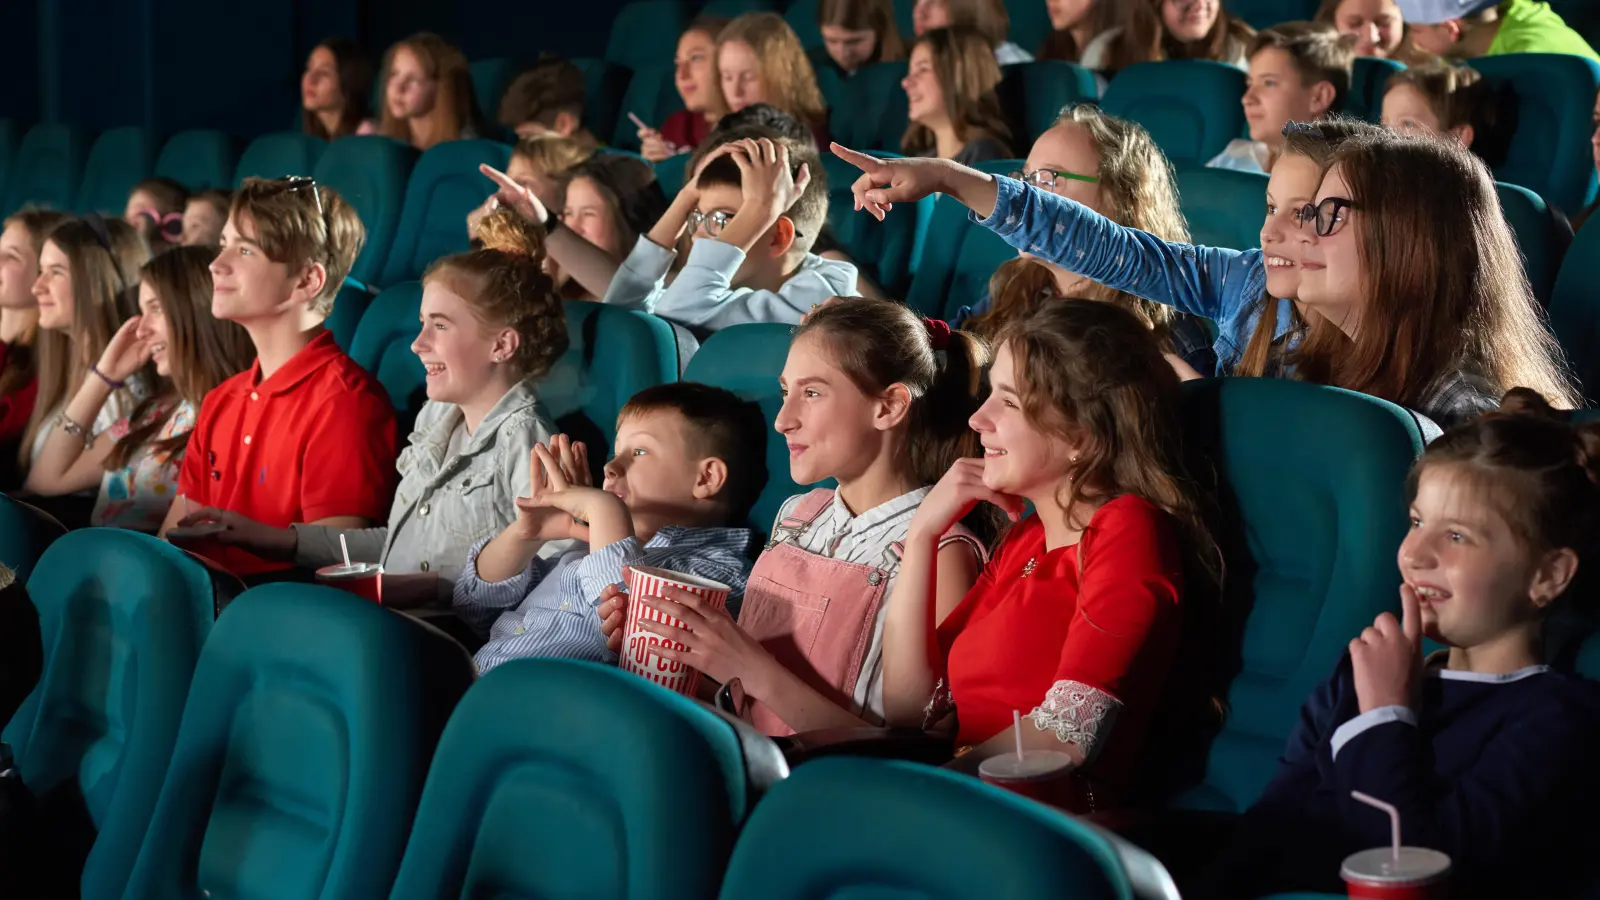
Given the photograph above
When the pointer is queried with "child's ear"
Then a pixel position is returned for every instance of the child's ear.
(1551, 578)
(1322, 94)
(505, 345)
(308, 287)
(783, 236)
(710, 477)
(893, 407)
(565, 124)
(1464, 134)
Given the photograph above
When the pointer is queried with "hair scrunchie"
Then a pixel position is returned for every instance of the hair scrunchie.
(938, 333)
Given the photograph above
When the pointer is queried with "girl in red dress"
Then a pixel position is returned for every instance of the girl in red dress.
(1075, 620)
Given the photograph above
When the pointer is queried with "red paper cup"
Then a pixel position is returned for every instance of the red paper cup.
(1037, 775)
(365, 580)
(1419, 874)
(638, 649)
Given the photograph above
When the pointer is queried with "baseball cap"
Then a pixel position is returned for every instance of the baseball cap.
(1432, 12)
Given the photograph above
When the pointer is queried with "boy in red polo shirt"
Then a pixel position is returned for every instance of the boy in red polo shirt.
(304, 435)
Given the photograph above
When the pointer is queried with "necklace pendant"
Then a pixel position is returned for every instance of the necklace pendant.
(1027, 567)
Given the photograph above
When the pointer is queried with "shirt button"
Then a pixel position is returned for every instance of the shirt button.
(565, 606)
(247, 440)
(518, 630)
(423, 566)
(254, 396)
(421, 510)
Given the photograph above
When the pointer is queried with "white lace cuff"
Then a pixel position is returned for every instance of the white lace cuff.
(1077, 713)
(939, 705)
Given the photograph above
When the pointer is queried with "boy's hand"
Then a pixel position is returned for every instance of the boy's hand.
(770, 186)
(1386, 659)
(538, 521)
(241, 531)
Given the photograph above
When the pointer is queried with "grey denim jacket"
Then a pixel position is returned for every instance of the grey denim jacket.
(444, 506)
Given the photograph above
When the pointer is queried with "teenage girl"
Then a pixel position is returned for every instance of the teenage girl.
(695, 77)
(760, 60)
(427, 93)
(19, 319)
(1425, 251)
(868, 402)
(1487, 753)
(135, 462)
(1113, 167)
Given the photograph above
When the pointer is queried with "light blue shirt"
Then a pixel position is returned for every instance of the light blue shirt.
(549, 609)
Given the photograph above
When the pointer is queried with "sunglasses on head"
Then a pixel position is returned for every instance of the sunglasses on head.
(169, 226)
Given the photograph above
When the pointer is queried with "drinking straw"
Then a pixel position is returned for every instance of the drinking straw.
(345, 549)
(1394, 818)
(1016, 721)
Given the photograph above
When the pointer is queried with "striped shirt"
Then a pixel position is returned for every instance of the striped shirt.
(549, 609)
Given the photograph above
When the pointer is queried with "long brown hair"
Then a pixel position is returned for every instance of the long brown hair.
(204, 350)
(1320, 340)
(104, 294)
(455, 108)
(355, 85)
(1138, 38)
(1137, 189)
(786, 73)
(968, 74)
(505, 284)
(987, 17)
(20, 362)
(876, 16)
(1444, 284)
(881, 343)
(1092, 373)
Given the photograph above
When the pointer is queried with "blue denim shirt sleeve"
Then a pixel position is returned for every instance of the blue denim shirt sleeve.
(1220, 284)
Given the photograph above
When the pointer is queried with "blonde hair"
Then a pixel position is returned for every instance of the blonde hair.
(968, 74)
(299, 222)
(455, 107)
(1137, 190)
(552, 154)
(505, 284)
(104, 266)
(786, 74)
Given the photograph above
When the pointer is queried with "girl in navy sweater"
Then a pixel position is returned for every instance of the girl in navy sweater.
(1489, 755)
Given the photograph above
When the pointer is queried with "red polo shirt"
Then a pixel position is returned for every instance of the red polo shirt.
(315, 440)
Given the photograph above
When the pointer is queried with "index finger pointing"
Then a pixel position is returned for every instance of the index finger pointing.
(862, 161)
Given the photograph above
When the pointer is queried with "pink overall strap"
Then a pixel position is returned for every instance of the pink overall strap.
(810, 507)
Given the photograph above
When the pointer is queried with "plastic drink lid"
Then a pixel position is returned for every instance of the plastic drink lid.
(1033, 764)
(1417, 865)
(354, 570)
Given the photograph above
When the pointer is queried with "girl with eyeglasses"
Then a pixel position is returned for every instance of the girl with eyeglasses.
(1422, 303)
(1113, 167)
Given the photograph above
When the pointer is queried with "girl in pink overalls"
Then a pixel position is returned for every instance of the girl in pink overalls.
(878, 399)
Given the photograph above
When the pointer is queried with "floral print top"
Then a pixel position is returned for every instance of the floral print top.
(138, 495)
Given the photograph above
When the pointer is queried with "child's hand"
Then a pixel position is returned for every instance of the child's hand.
(240, 531)
(613, 612)
(954, 496)
(538, 521)
(1387, 658)
(586, 505)
(125, 354)
(770, 186)
(885, 182)
(521, 200)
(654, 147)
(717, 646)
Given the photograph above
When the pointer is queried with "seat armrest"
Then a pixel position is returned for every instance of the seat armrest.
(910, 744)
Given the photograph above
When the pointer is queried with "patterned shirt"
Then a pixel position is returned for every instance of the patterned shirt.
(549, 608)
(138, 495)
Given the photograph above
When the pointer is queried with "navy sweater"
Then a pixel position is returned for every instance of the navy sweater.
(1500, 772)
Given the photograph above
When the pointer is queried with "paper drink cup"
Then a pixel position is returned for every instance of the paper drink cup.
(1036, 775)
(1419, 874)
(638, 647)
(365, 580)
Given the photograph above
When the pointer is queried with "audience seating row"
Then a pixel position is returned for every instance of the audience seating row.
(285, 753)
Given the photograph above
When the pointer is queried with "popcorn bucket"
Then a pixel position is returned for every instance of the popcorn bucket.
(638, 647)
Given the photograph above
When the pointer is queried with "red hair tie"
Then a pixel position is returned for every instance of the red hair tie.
(938, 333)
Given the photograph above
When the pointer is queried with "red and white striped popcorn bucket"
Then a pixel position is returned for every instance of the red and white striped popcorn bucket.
(638, 654)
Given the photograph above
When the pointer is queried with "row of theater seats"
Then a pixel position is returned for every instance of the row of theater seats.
(282, 751)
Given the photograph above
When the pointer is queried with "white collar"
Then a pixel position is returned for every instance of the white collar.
(1485, 678)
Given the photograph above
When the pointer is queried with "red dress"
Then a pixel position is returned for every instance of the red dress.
(1087, 644)
(17, 407)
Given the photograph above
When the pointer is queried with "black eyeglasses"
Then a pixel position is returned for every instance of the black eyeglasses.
(1326, 217)
(713, 222)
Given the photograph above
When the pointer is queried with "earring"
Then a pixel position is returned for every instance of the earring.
(499, 358)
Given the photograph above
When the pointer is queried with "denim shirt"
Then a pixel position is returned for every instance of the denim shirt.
(445, 504)
(1219, 284)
